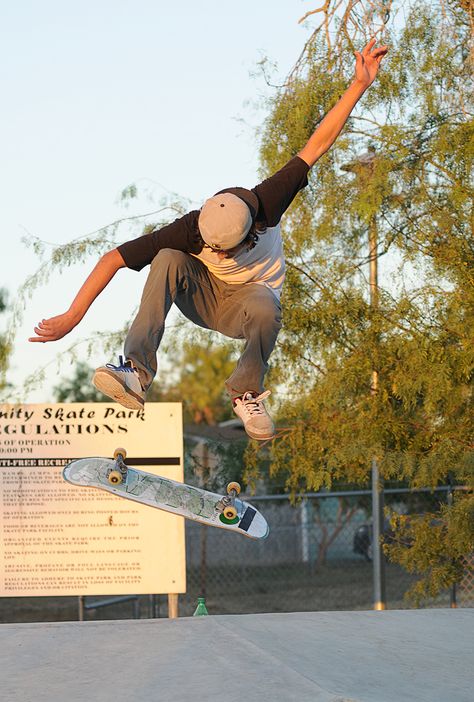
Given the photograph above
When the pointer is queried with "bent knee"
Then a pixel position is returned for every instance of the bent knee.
(265, 309)
(170, 257)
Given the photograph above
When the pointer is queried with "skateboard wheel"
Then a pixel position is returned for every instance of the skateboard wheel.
(233, 486)
(223, 520)
(115, 477)
(230, 512)
(120, 452)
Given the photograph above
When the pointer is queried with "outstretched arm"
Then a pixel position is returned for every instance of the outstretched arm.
(367, 66)
(57, 327)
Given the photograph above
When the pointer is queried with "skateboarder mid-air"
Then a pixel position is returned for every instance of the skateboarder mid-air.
(223, 267)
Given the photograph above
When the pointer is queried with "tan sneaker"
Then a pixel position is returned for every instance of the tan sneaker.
(251, 410)
(121, 383)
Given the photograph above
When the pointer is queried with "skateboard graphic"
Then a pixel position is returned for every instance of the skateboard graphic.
(223, 511)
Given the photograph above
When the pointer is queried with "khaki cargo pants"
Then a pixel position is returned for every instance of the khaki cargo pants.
(250, 311)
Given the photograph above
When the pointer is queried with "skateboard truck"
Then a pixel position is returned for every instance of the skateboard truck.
(118, 472)
(226, 505)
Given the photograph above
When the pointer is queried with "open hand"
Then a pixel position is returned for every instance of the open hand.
(54, 328)
(368, 62)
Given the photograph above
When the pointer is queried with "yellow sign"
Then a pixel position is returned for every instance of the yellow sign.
(58, 539)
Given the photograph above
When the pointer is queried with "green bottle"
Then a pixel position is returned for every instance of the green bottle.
(201, 609)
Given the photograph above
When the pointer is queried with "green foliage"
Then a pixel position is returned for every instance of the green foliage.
(413, 188)
(57, 258)
(78, 387)
(109, 343)
(201, 364)
(224, 462)
(5, 346)
(202, 361)
(416, 191)
(435, 545)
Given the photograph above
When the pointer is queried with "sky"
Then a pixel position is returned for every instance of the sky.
(98, 95)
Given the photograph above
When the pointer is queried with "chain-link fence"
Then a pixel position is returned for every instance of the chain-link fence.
(318, 556)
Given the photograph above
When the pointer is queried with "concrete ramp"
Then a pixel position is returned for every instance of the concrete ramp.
(393, 656)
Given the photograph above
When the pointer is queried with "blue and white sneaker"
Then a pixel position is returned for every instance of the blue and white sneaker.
(121, 383)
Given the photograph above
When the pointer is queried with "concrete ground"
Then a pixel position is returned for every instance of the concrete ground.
(391, 656)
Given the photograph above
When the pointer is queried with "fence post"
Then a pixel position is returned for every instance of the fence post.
(378, 562)
(377, 487)
(453, 603)
(172, 606)
(304, 530)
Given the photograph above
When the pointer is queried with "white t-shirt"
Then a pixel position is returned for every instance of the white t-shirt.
(264, 264)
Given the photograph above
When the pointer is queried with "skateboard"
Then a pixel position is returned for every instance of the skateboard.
(115, 476)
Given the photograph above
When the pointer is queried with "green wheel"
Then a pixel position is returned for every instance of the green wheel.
(224, 519)
(230, 512)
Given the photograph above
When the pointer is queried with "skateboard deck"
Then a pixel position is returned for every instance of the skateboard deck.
(162, 493)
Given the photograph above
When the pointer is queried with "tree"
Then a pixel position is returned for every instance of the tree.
(78, 387)
(57, 258)
(417, 123)
(416, 129)
(5, 346)
(201, 363)
(330, 523)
